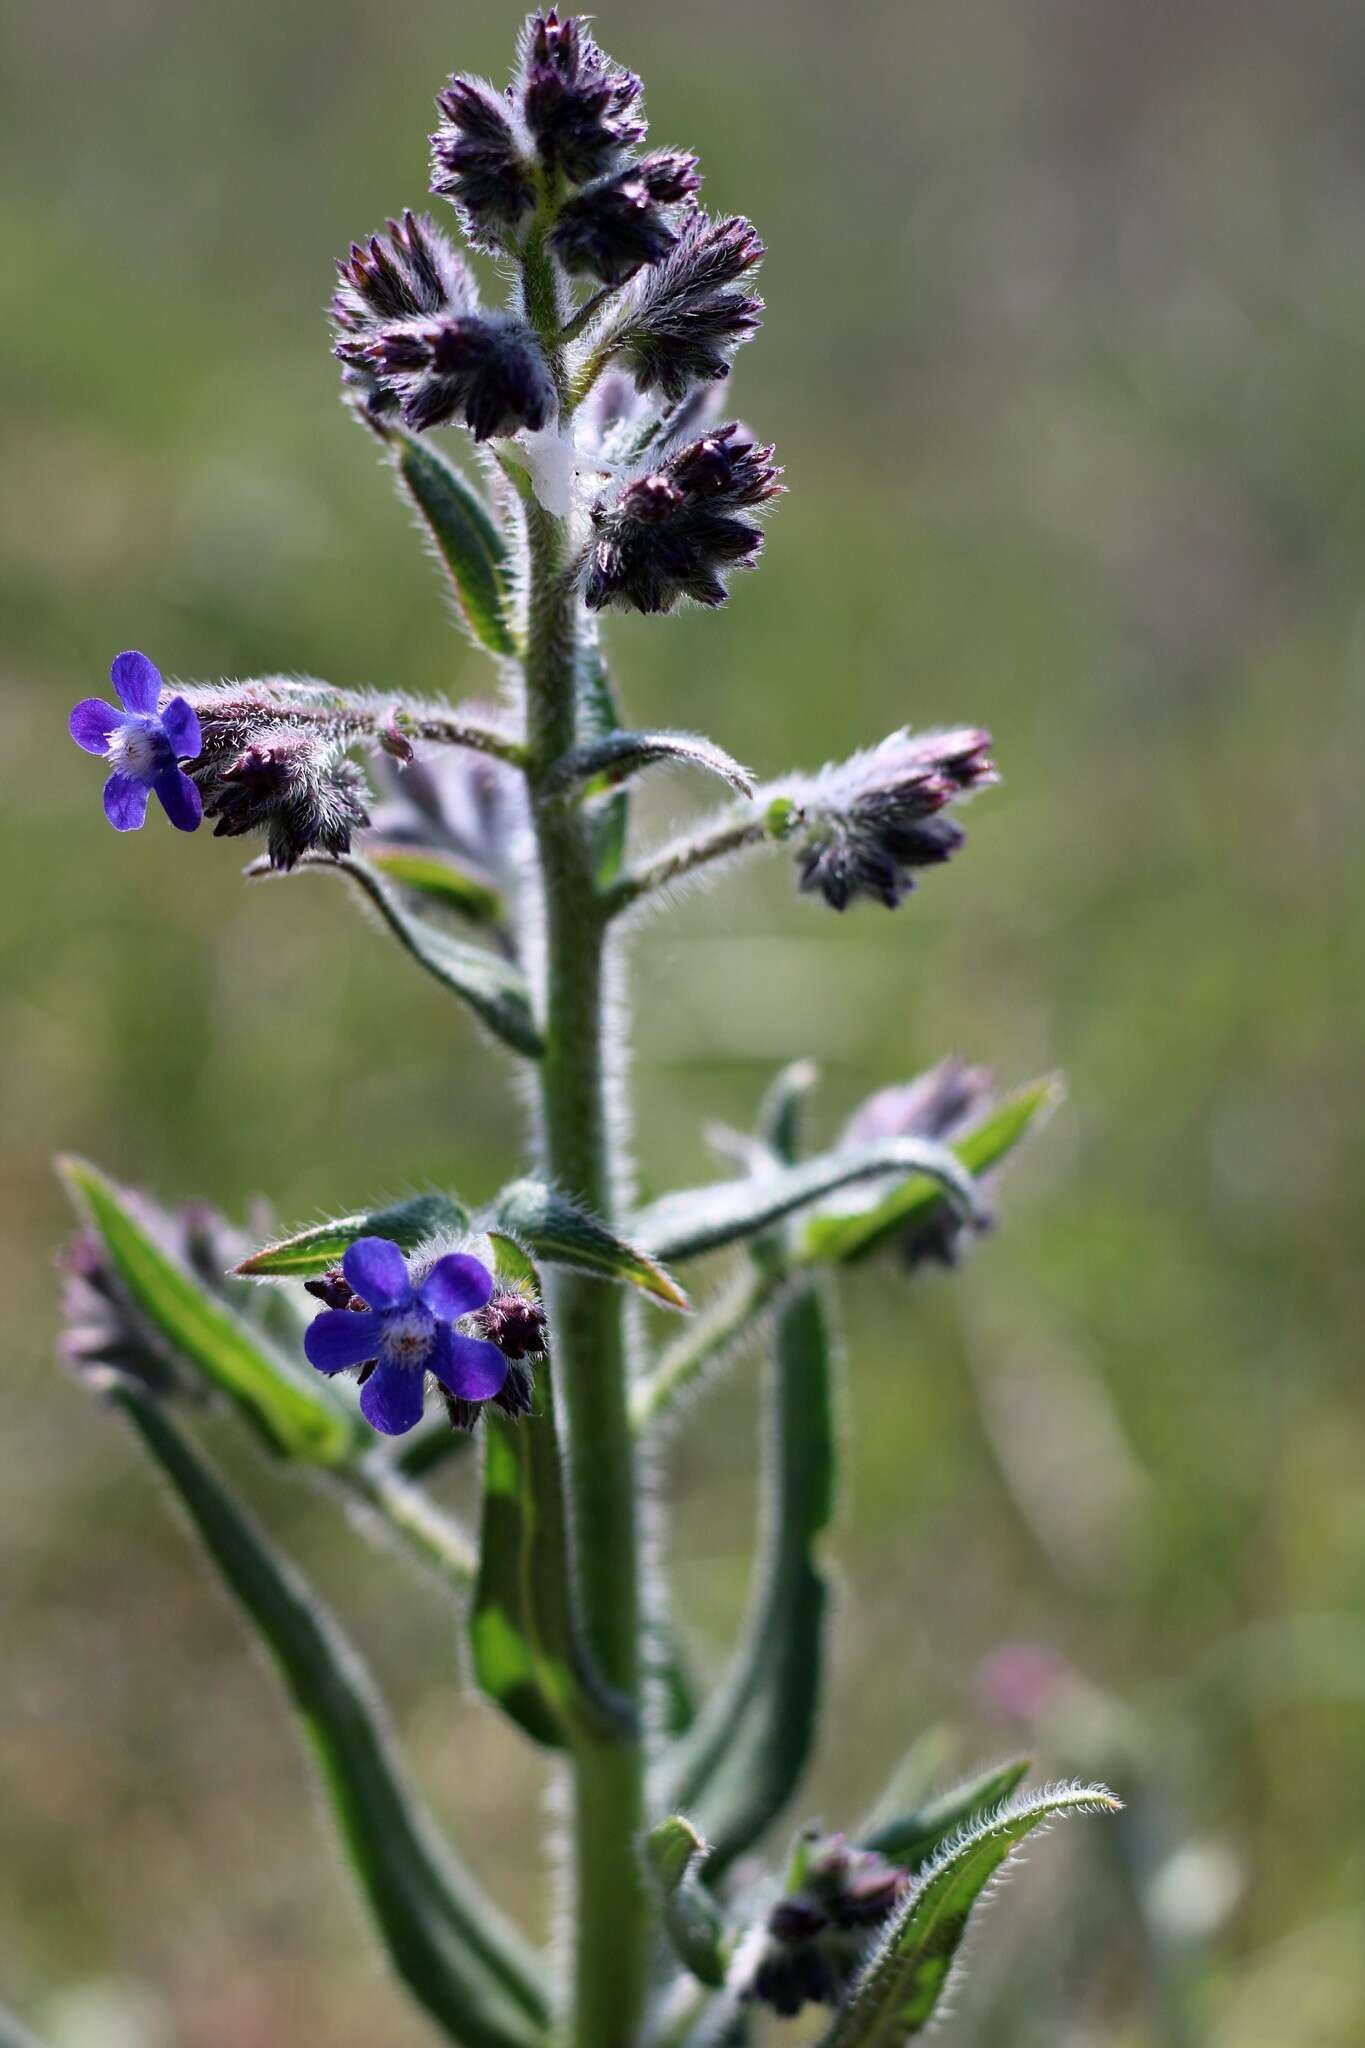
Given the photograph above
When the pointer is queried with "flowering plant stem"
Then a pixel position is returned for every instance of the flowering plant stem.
(588, 1315)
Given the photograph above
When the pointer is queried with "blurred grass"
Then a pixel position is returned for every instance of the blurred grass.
(1065, 326)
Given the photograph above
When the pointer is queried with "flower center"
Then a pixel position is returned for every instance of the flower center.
(407, 1336)
(136, 750)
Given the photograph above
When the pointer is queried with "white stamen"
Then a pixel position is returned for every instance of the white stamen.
(133, 751)
(406, 1338)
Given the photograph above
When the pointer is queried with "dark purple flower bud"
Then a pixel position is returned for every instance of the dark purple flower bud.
(515, 1323)
(816, 1935)
(143, 746)
(409, 271)
(488, 368)
(877, 817)
(613, 228)
(582, 109)
(688, 314)
(407, 1331)
(669, 535)
(334, 1290)
(296, 788)
(477, 161)
(944, 1104)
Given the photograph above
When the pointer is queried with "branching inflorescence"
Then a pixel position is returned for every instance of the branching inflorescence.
(493, 840)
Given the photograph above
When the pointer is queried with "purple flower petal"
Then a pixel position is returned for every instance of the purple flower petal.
(138, 683)
(125, 801)
(456, 1285)
(180, 723)
(471, 1368)
(391, 1398)
(340, 1337)
(180, 800)
(91, 723)
(378, 1272)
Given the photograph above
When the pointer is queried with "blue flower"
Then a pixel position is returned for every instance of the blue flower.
(142, 745)
(406, 1332)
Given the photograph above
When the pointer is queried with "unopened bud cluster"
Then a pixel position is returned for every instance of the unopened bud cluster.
(876, 818)
(817, 1933)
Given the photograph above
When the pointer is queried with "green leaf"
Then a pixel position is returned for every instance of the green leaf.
(740, 1762)
(864, 1231)
(911, 1839)
(604, 764)
(681, 1226)
(907, 1973)
(692, 1920)
(527, 1654)
(469, 1969)
(562, 1234)
(293, 1414)
(312, 1251)
(467, 539)
(495, 990)
(443, 881)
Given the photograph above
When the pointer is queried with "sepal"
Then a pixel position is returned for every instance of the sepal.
(692, 1920)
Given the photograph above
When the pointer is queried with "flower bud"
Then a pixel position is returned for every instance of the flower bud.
(613, 228)
(670, 534)
(515, 1323)
(688, 316)
(296, 788)
(581, 109)
(877, 816)
(944, 1103)
(817, 1933)
(476, 160)
(488, 368)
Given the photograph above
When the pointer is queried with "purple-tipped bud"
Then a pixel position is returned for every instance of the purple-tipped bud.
(486, 368)
(296, 789)
(515, 1323)
(944, 1104)
(620, 224)
(815, 1937)
(477, 161)
(877, 817)
(670, 535)
(582, 109)
(408, 271)
(689, 312)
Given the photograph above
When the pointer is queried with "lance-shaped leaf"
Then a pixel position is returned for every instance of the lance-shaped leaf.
(905, 1977)
(740, 1762)
(692, 1920)
(457, 1956)
(295, 1416)
(559, 1233)
(441, 881)
(913, 1838)
(696, 1220)
(861, 1232)
(312, 1251)
(604, 764)
(466, 539)
(496, 990)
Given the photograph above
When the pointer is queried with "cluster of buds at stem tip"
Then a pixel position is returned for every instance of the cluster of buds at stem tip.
(943, 1103)
(672, 533)
(295, 787)
(817, 1933)
(874, 819)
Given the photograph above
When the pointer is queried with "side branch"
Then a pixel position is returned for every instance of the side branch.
(717, 839)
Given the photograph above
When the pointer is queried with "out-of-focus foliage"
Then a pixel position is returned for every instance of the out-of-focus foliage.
(1068, 318)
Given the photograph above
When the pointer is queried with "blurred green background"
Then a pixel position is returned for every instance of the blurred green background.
(1066, 320)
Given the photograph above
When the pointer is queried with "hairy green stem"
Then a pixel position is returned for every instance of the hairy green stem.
(611, 1904)
(403, 1507)
(714, 841)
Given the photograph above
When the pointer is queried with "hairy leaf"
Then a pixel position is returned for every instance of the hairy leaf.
(863, 1231)
(740, 1762)
(458, 1957)
(466, 538)
(295, 1416)
(604, 764)
(312, 1251)
(562, 1234)
(443, 880)
(681, 1226)
(495, 990)
(911, 1839)
(908, 1971)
